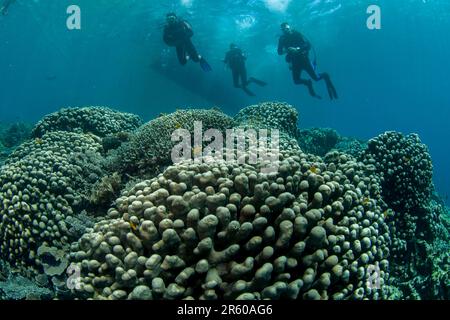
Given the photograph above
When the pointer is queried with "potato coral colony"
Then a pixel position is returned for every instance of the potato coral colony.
(316, 228)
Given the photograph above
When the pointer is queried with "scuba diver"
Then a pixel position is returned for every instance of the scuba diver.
(5, 6)
(297, 48)
(178, 33)
(235, 60)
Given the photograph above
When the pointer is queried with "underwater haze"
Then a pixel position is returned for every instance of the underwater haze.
(395, 78)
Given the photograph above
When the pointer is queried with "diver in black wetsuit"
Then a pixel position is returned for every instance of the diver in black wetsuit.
(178, 33)
(235, 60)
(297, 47)
(5, 6)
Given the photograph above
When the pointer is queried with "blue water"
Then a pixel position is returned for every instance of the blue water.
(395, 78)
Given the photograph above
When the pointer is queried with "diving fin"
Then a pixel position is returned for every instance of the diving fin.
(205, 65)
(312, 93)
(330, 87)
(248, 92)
(258, 82)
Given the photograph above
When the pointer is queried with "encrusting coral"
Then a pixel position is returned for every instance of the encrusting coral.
(53, 260)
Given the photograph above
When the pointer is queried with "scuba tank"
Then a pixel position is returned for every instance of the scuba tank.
(314, 60)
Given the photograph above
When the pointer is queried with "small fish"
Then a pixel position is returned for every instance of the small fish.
(5, 6)
(388, 212)
(133, 226)
(366, 201)
(177, 125)
(313, 169)
(38, 141)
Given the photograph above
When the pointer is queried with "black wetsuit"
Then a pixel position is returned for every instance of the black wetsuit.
(235, 59)
(179, 35)
(300, 59)
(5, 6)
(297, 48)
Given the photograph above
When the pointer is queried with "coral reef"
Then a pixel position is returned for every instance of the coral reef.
(100, 121)
(14, 134)
(351, 146)
(41, 185)
(417, 224)
(106, 190)
(405, 166)
(318, 141)
(222, 231)
(11, 136)
(21, 288)
(114, 141)
(78, 224)
(13, 286)
(53, 260)
(152, 145)
(269, 115)
(92, 190)
(420, 265)
(3, 153)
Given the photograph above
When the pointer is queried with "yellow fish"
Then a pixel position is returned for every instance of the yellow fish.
(386, 213)
(366, 201)
(313, 169)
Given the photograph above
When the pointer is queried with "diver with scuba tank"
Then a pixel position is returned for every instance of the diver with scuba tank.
(297, 48)
(178, 33)
(4, 6)
(235, 60)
